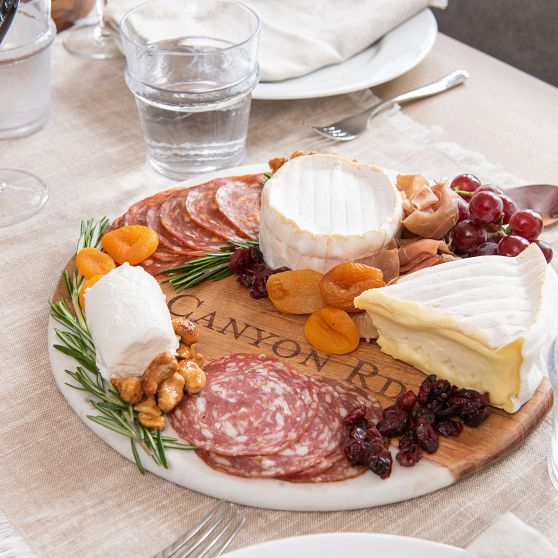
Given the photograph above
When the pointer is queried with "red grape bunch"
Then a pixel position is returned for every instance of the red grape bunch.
(490, 223)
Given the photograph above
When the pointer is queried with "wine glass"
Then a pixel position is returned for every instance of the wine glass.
(25, 100)
(92, 41)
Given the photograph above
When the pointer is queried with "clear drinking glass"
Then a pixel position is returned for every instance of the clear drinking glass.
(24, 102)
(553, 454)
(192, 66)
(92, 41)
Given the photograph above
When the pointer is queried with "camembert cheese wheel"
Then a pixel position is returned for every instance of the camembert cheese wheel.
(322, 210)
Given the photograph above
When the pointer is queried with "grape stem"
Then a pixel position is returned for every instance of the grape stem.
(464, 193)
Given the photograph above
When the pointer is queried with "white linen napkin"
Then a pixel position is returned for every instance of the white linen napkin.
(300, 36)
(509, 537)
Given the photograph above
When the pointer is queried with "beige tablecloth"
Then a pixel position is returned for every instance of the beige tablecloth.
(66, 493)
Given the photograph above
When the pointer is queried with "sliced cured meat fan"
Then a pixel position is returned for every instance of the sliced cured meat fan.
(178, 223)
(259, 418)
(203, 210)
(191, 222)
(239, 200)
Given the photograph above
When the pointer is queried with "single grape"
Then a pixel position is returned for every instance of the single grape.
(466, 182)
(509, 207)
(546, 249)
(467, 236)
(490, 188)
(463, 208)
(512, 245)
(487, 249)
(526, 223)
(486, 207)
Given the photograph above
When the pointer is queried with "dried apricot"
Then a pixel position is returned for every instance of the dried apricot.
(295, 292)
(86, 285)
(132, 244)
(91, 261)
(342, 283)
(332, 330)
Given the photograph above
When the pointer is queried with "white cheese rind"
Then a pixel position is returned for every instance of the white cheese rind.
(485, 323)
(129, 322)
(322, 210)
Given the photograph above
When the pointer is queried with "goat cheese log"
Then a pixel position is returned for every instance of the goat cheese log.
(129, 322)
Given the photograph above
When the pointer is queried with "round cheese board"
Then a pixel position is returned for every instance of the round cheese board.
(233, 322)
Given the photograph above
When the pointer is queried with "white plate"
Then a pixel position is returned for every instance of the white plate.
(391, 56)
(186, 469)
(339, 545)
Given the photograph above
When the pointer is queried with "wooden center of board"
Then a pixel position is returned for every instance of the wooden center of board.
(233, 322)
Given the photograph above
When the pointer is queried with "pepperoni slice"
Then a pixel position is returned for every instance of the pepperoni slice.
(251, 405)
(203, 210)
(178, 223)
(136, 214)
(322, 437)
(239, 200)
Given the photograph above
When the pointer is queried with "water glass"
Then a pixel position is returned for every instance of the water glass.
(25, 70)
(192, 66)
(553, 454)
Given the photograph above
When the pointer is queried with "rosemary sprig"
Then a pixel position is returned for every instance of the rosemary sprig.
(267, 175)
(213, 266)
(75, 341)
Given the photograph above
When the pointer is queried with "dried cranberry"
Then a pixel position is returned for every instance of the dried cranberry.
(407, 401)
(449, 428)
(427, 437)
(255, 254)
(441, 389)
(353, 453)
(373, 433)
(358, 433)
(395, 421)
(407, 439)
(355, 415)
(424, 390)
(418, 412)
(261, 275)
(245, 279)
(409, 456)
(241, 259)
(466, 408)
(380, 464)
(478, 418)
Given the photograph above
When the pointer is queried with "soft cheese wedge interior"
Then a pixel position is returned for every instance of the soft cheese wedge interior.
(322, 210)
(484, 323)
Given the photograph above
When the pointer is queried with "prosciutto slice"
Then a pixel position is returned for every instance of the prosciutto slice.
(431, 211)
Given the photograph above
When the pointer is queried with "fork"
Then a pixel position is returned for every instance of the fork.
(210, 537)
(351, 127)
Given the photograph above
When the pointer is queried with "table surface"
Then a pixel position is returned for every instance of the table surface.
(61, 488)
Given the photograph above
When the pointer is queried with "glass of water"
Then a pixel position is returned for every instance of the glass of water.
(553, 454)
(192, 66)
(24, 102)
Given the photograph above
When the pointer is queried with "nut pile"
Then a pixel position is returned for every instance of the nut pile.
(166, 380)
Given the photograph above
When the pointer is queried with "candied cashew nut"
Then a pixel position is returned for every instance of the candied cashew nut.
(194, 376)
(198, 359)
(162, 367)
(185, 351)
(188, 331)
(148, 407)
(276, 163)
(170, 392)
(156, 423)
(130, 389)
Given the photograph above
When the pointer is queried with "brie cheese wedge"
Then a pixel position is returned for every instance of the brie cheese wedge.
(129, 322)
(484, 323)
(322, 210)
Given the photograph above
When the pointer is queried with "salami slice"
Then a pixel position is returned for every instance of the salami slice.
(322, 437)
(178, 223)
(136, 214)
(166, 241)
(239, 200)
(339, 471)
(203, 210)
(251, 405)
